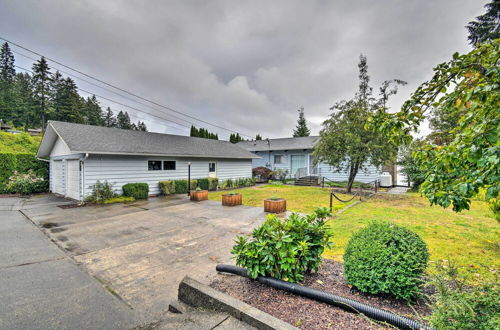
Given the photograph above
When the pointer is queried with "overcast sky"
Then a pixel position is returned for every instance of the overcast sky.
(244, 65)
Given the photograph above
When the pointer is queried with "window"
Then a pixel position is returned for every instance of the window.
(169, 165)
(211, 167)
(278, 159)
(154, 165)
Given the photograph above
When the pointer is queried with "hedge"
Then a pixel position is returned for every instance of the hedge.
(22, 163)
(169, 187)
(136, 190)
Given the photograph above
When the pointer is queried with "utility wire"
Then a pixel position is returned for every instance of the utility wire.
(106, 89)
(121, 89)
(119, 103)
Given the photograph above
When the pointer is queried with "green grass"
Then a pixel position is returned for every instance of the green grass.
(469, 238)
(298, 199)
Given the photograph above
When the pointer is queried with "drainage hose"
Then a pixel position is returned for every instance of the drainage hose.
(331, 299)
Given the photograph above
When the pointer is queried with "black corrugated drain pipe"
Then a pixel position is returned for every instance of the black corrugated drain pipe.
(331, 299)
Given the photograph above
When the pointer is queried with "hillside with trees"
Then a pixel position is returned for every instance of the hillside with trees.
(30, 99)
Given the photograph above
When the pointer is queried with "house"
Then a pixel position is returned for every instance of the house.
(79, 155)
(295, 155)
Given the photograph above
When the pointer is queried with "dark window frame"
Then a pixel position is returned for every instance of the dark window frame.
(151, 167)
(215, 167)
(169, 161)
(281, 157)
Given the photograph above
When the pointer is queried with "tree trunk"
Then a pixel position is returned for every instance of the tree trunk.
(353, 171)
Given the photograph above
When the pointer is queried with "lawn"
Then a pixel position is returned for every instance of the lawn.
(298, 199)
(470, 238)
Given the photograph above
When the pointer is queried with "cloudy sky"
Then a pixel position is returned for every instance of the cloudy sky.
(243, 65)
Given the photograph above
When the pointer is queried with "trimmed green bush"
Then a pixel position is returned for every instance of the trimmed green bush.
(203, 183)
(386, 258)
(167, 187)
(101, 191)
(22, 163)
(181, 186)
(212, 184)
(137, 190)
(285, 249)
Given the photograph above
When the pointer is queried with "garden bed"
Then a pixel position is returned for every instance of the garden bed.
(309, 314)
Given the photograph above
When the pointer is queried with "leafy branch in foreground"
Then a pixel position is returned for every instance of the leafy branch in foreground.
(468, 85)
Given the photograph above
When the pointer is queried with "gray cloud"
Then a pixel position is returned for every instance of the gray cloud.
(245, 65)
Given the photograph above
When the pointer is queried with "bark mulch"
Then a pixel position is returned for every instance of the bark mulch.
(305, 313)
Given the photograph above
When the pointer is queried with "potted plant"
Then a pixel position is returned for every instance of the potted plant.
(231, 199)
(199, 195)
(275, 205)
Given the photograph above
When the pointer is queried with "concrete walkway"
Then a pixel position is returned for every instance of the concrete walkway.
(41, 287)
(398, 190)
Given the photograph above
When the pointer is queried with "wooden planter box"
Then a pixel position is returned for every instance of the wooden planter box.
(199, 195)
(231, 199)
(275, 205)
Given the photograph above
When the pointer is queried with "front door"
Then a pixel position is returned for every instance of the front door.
(298, 163)
(212, 169)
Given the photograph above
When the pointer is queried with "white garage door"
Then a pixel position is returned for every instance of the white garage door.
(73, 178)
(57, 177)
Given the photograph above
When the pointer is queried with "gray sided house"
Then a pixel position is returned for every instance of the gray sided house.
(295, 155)
(80, 155)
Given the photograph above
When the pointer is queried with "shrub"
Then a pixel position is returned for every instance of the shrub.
(26, 184)
(101, 191)
(212, 184)
(203, 183)
(119, 199)
(181, 186)
(167, 187)
(386, 258)
(137, 190)
(22, 163)
(458, 306)
(280, 174)
(285, 249)
(262, 173)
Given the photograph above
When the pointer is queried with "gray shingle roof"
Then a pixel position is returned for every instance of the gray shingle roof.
(104, 140)
(306, 142)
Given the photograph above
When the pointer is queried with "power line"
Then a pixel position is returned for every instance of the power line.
(106, 89)
(119, 103)
(121, 89)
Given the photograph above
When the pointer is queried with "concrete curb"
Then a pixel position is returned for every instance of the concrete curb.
(196, 294)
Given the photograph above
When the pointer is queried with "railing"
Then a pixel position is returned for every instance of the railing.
(301, 172)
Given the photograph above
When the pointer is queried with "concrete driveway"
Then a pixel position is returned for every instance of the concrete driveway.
(141, 251)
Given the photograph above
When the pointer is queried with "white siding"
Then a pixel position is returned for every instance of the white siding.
(59, 149)
(370, 174)
(119, 170)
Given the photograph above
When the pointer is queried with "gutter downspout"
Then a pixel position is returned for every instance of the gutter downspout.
(83, 174)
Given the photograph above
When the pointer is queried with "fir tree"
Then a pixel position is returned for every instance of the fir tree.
(141, 126)
(109, 118)
(7, 77)
(66, 102)
(487, 26)
(258, 137)
(41, 81)
(301, 129)
(123, 120)
(93, 112)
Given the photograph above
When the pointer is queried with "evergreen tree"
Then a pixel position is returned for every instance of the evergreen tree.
(258, 137)
(203, 133)
(41, 81)
(487, 26)
(193, 131)
(123, 120)
(93, 113)
(141, 126)
(24, 114)
(301, 129)
(109, 118)
(67, 104)
(7, 77)
(235, 138)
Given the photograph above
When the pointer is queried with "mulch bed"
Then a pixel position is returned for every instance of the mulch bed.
(305, 313)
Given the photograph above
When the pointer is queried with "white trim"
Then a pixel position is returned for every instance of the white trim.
(157, 155)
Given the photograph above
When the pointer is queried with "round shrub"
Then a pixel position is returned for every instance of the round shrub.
(386, 258)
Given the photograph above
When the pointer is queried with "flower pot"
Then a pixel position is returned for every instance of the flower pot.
(199, 195)
(275, 205)
(231, 199)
